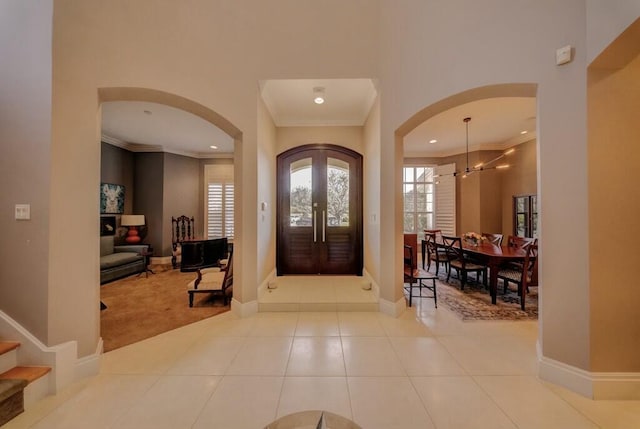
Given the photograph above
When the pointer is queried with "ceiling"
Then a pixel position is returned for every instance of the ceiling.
(496, 123)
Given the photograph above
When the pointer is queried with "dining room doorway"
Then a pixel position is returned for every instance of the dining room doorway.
(319, 206)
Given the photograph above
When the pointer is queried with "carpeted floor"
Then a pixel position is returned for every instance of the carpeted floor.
(140, 307)
(474, 302)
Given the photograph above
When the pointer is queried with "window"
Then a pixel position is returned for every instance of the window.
(418, 191)
(219, 196)
(525, 216)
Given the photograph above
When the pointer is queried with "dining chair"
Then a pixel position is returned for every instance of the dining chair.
(435, 253)
(523, 276)
(415, 277)
(493, 238)
(515, 241)
(461, 263)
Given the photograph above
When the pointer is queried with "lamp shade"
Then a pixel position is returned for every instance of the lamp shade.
(132, 220)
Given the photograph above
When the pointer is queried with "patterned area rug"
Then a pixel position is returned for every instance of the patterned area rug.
(474, 302)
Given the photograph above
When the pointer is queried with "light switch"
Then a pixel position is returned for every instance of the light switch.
(23, 211)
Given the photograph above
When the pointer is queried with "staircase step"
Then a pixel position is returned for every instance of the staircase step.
(11, 399)
(7, 346)
(8, 355)
(29, 373)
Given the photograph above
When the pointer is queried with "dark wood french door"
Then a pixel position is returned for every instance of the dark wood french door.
(319, 211)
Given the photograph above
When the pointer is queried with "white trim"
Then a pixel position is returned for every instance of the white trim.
(393, 309)
(375, 288)
(243, 310)
(160, 260)
(63, 360)
(593, 385)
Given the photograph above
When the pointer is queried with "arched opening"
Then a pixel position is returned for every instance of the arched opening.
(480, 197)
(161, 183)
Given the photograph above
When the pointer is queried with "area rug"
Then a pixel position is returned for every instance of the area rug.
(474, 302)
(140, 307)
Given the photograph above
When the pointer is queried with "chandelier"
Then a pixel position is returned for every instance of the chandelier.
(482, 166)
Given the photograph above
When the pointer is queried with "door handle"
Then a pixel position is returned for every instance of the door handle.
(315, 231)
(323, 226)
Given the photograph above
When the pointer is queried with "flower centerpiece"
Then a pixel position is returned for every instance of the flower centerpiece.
(473, 238)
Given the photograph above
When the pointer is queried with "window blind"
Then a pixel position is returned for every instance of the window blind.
(219, 201)
(446, 199)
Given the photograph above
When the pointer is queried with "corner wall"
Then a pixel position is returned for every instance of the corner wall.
(25, 133)
(614, 156)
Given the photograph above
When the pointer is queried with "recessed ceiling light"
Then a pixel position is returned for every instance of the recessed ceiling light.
(147, 112)
(524, 132)
(318, 95)
(213, 147)
(432, 141)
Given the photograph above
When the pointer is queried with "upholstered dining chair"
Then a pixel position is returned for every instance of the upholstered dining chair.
(493, 238)
(215, 280)
(524, 275)
(182, 228)
(461, 263)
(414, 277)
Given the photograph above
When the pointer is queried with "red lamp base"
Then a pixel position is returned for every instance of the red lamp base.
(132, 236)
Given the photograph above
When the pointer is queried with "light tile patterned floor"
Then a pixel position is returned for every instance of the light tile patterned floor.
(426, 369)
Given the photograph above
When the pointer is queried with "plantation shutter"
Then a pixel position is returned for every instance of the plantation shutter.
(446, 199)
(219, 201)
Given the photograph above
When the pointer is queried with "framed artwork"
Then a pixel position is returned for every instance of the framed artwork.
(107, 225)
(111, 198)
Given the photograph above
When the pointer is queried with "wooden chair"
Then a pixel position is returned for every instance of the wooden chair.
(493, 238)
(415, 277)
(434, 252)
(182, 228)
(523, 242)
(461, 263)
(215, 280)
(524, 276)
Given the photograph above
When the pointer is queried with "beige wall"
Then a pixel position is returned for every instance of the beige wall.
(371, 203)
(614, 157)
(417, 72)
(519, 179)
(267, 149)
(290, 137)
(25, 136)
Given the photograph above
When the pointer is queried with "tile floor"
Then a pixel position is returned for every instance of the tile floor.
(426, 369)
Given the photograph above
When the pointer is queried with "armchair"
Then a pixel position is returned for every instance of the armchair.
(215, 280)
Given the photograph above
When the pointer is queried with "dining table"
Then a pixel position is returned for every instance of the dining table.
(493, 256)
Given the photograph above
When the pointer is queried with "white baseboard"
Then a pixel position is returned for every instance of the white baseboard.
(63, 360)
(245, 309)
(593, 385)
(393, 309)
(160, 260)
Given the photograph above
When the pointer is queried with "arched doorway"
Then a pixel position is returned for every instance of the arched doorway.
(181, 176)
(319, 212)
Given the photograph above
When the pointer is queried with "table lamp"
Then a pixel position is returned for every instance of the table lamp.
(133, 222)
